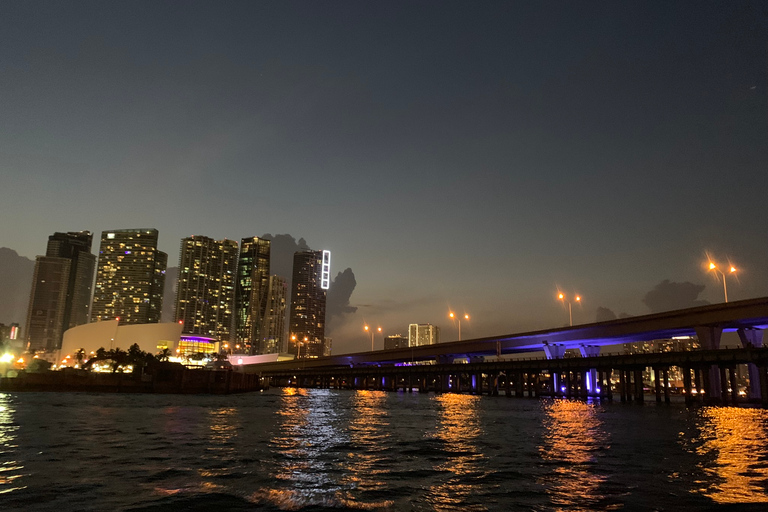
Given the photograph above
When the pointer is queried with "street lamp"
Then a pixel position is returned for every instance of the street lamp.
(570, 309)
(731, 270)
(458, 319)
(366, 328)
(298, 345)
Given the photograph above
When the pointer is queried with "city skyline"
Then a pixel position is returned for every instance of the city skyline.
(475, 158)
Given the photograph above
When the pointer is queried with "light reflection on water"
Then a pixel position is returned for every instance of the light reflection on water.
(338, 449)
(732, 444)
(458, 427)
(573, 436)
(306, 431)
(10, 468)
(364, 467)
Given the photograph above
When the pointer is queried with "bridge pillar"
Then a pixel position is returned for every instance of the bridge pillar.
(622, 386)
(723, 385)
(657, 382)
(752, 338)
(639, 393)
(697, 372)
(734, 388)
(554, 350)
(687, 385)
(590, 351)
(709, 337)
(666, 385)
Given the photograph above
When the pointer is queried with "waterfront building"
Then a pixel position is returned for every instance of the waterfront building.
(423, 334)
(109, 334)
(311, 270)
(328, 347)
(395, 341)
(273, 334)
(130, 277)
(205, 293)
(251, 293)
(61, 290)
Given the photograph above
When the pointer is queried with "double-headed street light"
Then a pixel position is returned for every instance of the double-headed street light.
(561, 296)
(367, 329)
(456, 317)
(731, 270)
(298, 344)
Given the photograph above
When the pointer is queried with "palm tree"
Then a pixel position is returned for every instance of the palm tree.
(165, 354)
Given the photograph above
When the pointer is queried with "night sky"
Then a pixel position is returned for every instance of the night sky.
(472, 156)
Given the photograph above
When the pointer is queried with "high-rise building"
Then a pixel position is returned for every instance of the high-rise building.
(61, 289)
(423, 334)
(130, 278)
(308, 293)
(251, 294)
(273, 334)
(395, 341)
(205, 295)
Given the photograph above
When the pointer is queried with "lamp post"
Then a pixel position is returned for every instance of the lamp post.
(298, 345)
(561, 296)
(458, 319)
(731, 270)
(366, 328)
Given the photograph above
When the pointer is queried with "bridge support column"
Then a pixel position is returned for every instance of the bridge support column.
(697, 373)
(687, 385)
(752, 338)
(591, 351)
(709, 337)
(723, 385)
(657, 382)
(666, 385)
(507, 384)
(638, 382)
(762, 373)
(623, 385)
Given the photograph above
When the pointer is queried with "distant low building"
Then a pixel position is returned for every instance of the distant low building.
(395, 341)
(423, 334)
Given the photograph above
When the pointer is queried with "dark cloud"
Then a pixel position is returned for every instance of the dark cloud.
(281, 254)
(15, 286)
(668, 295)
(169, 294)
(337, 304)
(604, 315)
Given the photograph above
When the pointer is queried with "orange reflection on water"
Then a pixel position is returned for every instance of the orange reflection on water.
(458, 427)
(573, 436)
(368, 431)
(736, 439)
(224, 424)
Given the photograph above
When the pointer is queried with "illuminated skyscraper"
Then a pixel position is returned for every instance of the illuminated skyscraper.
(423, 334)
(273, 339)
(205, 294)
(61, 289)
(311, 272)
(251, 294)
(130, 278)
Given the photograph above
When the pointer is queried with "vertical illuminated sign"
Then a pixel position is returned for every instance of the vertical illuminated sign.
(14, 332)
(325, 274)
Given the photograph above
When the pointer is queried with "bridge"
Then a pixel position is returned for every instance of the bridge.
(463, 366)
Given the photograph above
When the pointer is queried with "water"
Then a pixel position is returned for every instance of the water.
(328, 449)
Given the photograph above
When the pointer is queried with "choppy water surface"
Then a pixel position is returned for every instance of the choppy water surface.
(315, 449)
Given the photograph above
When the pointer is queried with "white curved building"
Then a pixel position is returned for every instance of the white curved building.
(108, 334)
